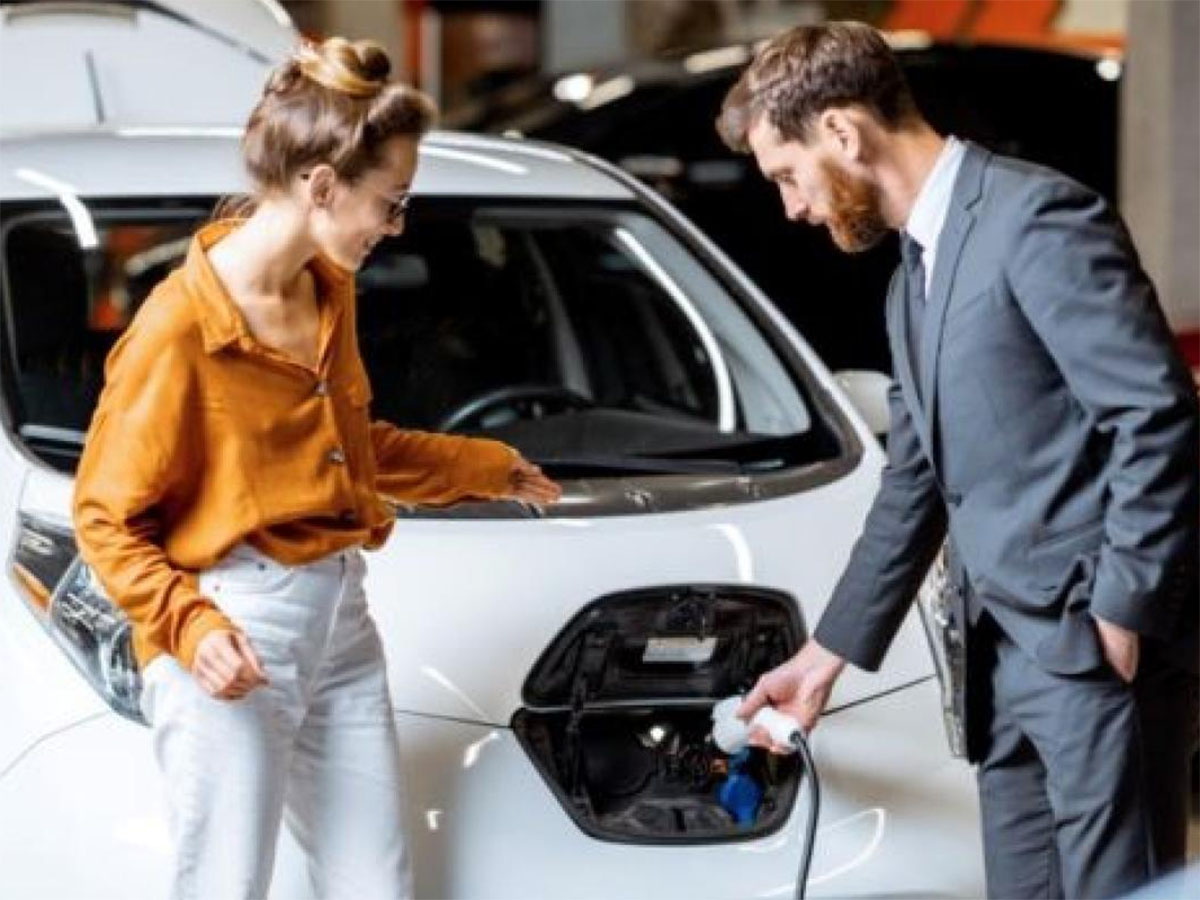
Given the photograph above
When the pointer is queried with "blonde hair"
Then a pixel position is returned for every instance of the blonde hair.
(331, 103)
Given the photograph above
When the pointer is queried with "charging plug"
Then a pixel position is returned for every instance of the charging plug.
(732, 734)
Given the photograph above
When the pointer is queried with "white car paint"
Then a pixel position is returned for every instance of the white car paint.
(466, 607)
(200, 161)
(78, 65)
(483, 824)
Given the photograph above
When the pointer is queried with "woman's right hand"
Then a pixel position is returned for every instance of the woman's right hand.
(530, 484)
(227, 666)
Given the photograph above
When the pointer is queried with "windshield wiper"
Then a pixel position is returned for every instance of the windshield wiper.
(583, 466)
(753, 453)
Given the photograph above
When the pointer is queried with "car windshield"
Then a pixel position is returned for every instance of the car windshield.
(587, 336)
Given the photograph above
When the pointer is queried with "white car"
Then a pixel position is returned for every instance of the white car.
(136, 63)
(553, 671)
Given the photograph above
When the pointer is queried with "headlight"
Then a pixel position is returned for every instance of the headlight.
(64, 595)
(935, 600)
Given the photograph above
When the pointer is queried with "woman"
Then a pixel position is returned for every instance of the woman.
(231, 475)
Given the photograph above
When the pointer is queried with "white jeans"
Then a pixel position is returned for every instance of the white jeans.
(317, 746)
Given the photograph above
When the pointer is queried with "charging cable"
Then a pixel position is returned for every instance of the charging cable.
(732, 735)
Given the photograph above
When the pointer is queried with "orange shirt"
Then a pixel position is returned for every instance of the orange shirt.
(204, 438)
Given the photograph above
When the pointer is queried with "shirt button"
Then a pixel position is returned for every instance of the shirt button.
(337, 456)
(322, 389)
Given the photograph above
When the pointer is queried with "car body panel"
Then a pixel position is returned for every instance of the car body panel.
(109, 62)
(57, 695)
(466, 607)
(198, 161)
(483, 823)
(877, 772)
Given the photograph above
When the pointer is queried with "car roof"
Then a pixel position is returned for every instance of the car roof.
(65, 63)
(205, 162)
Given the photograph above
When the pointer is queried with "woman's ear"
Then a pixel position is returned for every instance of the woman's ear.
(318, 184)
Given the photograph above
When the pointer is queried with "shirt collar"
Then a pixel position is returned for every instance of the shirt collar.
(221, 323)
(929, 210)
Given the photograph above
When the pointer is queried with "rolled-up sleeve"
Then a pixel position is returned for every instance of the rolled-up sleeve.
(437, 469)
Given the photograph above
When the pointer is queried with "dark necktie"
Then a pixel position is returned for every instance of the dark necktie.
(914, 300)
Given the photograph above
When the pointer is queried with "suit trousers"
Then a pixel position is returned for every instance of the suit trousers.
(1083, 779)
(316, 747)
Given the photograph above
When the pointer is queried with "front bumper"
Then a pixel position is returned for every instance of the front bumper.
(899, 817)
(84, 817)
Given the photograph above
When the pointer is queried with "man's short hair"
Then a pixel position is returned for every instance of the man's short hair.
(811, 68)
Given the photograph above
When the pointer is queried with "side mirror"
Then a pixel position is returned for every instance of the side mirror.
(868, 393)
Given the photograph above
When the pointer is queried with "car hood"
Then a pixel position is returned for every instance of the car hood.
(465, 608)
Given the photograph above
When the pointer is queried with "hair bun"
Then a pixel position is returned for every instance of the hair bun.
(284, 76)
(375, 63)
(359, 69)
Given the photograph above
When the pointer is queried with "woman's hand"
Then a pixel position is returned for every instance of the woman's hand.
(227, 666)
(530, 485)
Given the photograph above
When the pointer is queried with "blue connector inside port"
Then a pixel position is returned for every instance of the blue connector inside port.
(739, 794)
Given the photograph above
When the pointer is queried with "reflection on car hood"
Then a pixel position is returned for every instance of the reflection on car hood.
(466, 608)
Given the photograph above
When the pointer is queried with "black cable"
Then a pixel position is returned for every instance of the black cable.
(814, 809)
(731, 738)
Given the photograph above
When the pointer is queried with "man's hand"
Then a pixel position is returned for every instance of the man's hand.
(1121, 648)
(227, 666)
(798, 688)
(530, 485)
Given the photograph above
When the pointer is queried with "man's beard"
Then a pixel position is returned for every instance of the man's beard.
(856, 220)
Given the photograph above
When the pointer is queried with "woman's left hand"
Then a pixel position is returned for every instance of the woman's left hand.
(529, 484)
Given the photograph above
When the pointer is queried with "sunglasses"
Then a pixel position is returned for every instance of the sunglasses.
(395, 208)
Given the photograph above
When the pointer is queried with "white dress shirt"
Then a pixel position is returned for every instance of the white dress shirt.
(928, 213)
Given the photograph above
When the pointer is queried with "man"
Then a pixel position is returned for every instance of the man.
(1042, 418)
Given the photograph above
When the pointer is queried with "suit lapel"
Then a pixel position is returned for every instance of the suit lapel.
(959, 221)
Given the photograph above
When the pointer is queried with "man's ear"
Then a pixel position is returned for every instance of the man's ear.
(319, 185)
(840, 130)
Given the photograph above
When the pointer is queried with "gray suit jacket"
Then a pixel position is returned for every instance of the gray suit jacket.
(1053, 432)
